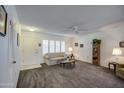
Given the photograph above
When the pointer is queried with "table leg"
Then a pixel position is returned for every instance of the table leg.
(63, 65)
(114, 68)
(109, 66)
(71, 64)
(74, 64)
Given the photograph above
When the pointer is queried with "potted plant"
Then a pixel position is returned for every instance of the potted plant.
(96, 42)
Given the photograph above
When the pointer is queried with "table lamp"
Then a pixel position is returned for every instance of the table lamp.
(70, 49)
(117, 52)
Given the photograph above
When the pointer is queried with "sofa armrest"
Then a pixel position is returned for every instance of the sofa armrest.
(120, 65)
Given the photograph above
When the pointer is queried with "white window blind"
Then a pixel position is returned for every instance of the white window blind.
(45, 46)
(52, 46)
(62, 46)
(57, 46)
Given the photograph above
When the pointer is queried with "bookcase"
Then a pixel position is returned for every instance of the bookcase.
(96, 52)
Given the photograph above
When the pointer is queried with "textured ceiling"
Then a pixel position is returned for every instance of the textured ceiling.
(55, 19)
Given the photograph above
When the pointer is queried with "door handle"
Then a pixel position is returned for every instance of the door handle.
(14, 62)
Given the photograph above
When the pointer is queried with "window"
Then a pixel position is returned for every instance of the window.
(62, 46)
(45, 46)
(57, 46)
(52, 46)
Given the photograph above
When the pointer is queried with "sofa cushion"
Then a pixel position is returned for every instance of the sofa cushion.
(53, 55)
(57, 58)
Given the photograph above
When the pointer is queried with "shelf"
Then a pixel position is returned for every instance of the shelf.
(96, 54)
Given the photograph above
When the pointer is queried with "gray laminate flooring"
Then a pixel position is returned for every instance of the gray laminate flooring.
(83, 75)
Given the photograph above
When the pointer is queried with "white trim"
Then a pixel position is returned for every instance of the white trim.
(7, 85)
(26, 67)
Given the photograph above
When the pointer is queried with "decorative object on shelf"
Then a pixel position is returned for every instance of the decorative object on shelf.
(96, 51)
(81, 45)
(72, 56)
(76, 44)
(3, 20)
(68, 58)
(116, 52)
(121, 44)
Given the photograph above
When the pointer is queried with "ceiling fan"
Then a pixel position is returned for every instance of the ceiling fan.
(76, 29)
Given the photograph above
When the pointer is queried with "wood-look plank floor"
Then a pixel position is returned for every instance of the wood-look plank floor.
(83, 75)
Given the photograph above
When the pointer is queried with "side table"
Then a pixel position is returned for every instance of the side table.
(114, 65)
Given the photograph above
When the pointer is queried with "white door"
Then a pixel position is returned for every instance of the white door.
(12, 55)
(31, 53)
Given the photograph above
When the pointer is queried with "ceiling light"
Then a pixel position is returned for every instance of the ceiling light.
(32, 30)
(29, 28)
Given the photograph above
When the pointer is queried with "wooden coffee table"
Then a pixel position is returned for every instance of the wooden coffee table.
(70, 63)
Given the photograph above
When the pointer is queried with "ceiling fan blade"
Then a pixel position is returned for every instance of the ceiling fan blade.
(76, 32)
(67, 30)
(71, 27)
(82, 30)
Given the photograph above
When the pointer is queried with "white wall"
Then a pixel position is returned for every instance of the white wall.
(38, 37)
(110, 36)
(6, 67)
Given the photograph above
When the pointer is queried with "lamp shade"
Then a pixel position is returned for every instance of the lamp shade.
(70, 49)
(117, 51)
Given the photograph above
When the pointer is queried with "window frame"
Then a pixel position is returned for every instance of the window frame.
(60, 46)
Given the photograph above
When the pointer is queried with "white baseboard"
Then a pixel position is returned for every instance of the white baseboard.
(84, 61)
(26, 67)
(6, 85)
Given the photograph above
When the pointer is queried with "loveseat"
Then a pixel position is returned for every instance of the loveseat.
(120, 70)
(54, 58)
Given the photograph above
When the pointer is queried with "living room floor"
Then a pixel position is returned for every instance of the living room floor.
(83, 75)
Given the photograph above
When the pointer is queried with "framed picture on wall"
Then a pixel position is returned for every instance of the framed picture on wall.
(76, 44)
(121, 44)
(81, 45)
(3, 20)
(39, 44)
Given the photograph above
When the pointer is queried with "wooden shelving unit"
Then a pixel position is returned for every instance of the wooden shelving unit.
(96, 52)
